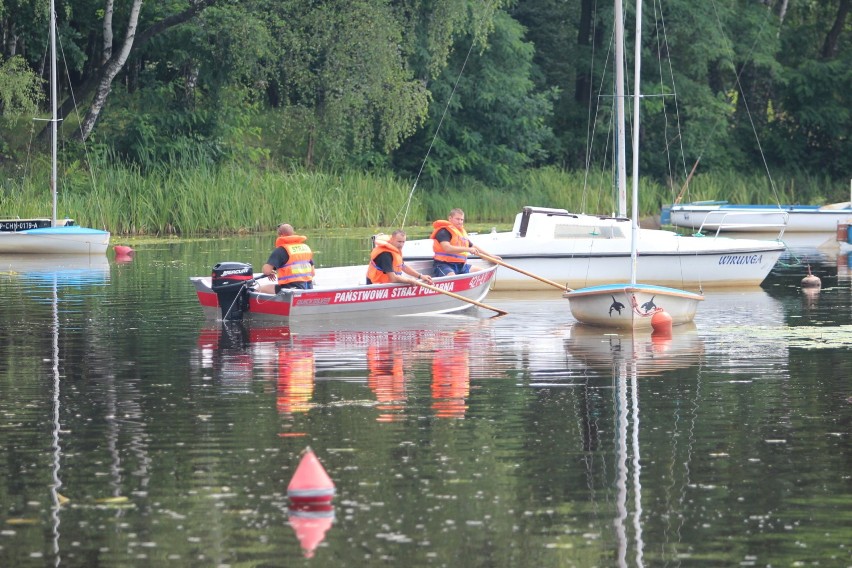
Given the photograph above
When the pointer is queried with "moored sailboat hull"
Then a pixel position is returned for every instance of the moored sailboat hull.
(758, 218)
(55, 240)
(586, 250)
(631, 306)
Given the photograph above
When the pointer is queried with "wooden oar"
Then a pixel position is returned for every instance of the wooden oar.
(490, 258)
(460, 297)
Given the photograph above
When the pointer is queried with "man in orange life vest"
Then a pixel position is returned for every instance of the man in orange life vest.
(452, 246)
(292, 262)
(386, 263)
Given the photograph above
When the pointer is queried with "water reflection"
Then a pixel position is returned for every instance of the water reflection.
(39, 273)
(451, 376)
(56, 498)
(810, 298)
(194, 427)
(387, 380)
(55, 281)
(844, 268)
(625, 358)
(310, 523)
(380, 355)
(650, 354)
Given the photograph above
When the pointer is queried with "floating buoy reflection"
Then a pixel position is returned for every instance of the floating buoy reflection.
(310, 523)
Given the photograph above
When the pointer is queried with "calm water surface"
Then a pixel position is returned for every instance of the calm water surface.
(134, 433)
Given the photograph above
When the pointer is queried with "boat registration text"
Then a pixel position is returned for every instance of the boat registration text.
(741, 259)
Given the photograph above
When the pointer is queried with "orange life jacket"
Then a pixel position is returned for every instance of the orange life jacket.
(459, 239)
(299, 267)
(375, 275)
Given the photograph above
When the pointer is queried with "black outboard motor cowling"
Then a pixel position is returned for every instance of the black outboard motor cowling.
(230, 283)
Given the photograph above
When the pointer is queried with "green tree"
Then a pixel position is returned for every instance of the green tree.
(342, 69)
(20, 88)
(565, 41)
(496, 123)
(811, 123)
(194, 90)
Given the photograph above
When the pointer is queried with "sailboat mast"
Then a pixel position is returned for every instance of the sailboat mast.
(620, 153)
(637, 56)
(53, 105)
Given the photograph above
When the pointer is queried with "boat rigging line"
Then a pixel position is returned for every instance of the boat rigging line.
(435, 137)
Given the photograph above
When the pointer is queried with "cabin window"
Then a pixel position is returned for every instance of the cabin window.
(586, 231)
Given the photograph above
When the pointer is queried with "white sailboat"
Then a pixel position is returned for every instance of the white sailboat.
(630, 305)
(51, 236)
(583, 250)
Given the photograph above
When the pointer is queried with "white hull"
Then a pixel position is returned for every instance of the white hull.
(757, 218)
(54, 240)
(340, 293)
(584, 250)
(627, 306)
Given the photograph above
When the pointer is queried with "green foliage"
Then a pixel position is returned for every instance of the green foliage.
(20, 89)
(362, 85)
(139, 132)
(433, 28)
(197, 197)
(346, 71)
(496, 122)
(812, 129)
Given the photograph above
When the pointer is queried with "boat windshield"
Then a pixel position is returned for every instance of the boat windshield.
(572, 231)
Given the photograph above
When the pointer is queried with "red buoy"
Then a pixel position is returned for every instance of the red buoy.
(122, 250)
(310, 523)
(310, 483)
(661, 322)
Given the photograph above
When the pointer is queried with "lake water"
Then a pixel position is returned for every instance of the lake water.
(134, 433)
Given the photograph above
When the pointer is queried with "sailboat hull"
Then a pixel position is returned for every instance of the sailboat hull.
(586, 250)
(631, 306)
(55, 240)
(757, 218)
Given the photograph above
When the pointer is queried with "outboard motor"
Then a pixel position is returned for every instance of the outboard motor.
(230, 283)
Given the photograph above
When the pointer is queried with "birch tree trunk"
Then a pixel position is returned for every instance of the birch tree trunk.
(95, 81)
(111, 69)
(116, 61)
(106, 53)
(782, 13)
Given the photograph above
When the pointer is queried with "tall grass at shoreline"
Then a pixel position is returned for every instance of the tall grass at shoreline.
(201, 199)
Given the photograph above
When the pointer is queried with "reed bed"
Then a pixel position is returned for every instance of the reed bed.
(198, 198)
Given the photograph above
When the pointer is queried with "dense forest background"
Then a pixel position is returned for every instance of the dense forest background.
(487, 89)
